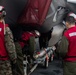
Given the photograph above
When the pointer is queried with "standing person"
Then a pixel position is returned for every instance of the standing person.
(67, 47)
(7, 47)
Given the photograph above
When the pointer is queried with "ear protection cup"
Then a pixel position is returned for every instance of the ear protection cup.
(2, 11)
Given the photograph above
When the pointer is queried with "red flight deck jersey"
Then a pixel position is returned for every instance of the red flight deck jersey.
(70, 34)
(3, 52)
(25, 37)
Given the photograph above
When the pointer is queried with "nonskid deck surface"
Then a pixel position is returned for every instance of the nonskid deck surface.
(55, 68)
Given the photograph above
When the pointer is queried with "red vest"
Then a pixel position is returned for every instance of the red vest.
(3, 52)
(25, 37)
(70, 34)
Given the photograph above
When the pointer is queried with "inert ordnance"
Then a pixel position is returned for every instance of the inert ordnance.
(44, 51)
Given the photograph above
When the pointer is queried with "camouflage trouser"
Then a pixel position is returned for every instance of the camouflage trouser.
(5, 67)
(69, 68)
(18, 68)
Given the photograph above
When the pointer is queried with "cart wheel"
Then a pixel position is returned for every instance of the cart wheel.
(46, 63)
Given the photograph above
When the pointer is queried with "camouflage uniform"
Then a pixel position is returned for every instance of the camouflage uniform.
(69, 68)
(19, 67)
(10, 46)
(5, 66)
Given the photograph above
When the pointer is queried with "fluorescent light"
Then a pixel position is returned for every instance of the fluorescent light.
(71, 1)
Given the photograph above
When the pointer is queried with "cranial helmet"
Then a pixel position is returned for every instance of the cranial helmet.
(72, 14)
(2, 11)
(37, 33)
